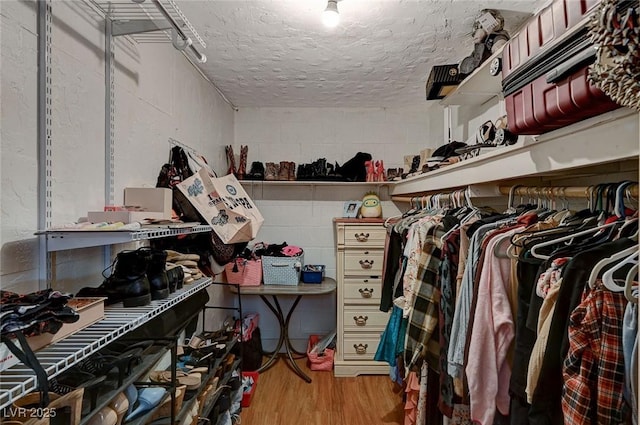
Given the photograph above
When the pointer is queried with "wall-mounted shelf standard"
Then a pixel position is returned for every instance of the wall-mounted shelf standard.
(607, 138)
(60, 240)
(19, 380)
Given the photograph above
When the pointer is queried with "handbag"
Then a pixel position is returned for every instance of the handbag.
(243, 272)
(224, 204)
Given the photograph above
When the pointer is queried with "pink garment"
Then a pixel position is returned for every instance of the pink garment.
(411, 405)
(488, 371)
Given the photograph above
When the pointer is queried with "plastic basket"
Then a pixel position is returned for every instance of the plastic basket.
(246, 397)
(313, 273)
(282, 270)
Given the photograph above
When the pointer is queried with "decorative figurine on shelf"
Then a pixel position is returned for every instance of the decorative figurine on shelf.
(371, 207)
(488, 36)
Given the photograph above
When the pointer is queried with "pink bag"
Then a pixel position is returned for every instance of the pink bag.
(319, 362)
(244, 272)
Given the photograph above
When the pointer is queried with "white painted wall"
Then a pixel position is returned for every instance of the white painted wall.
(158, 95)
(303, 215)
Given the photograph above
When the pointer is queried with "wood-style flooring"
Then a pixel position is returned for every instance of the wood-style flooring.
(283, 398)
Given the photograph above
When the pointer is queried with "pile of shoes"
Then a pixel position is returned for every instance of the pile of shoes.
(188, 263)
(318, 170)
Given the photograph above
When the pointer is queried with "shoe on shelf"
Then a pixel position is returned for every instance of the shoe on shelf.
(120, 404)
(283, 173)
(148, 398)
(156, 272)
(165, 408)
(175, 276)
(105, 416)
(256, 172)
(271, 171)
(191, 380)
(127, 284)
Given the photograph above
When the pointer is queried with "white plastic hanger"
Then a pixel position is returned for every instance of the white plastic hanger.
(607, 277)
(566, 238)
(628, 284)
(595, 272)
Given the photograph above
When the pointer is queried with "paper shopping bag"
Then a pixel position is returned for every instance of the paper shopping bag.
(224, 204)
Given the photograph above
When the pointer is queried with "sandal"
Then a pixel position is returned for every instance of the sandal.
(191, 380)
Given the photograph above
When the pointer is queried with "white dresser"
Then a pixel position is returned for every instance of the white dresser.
(359, 263)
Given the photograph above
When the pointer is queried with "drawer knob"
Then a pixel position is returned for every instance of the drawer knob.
(360, 348)
(366, 293)
(366, 264)
(360, 320)
(362, 237)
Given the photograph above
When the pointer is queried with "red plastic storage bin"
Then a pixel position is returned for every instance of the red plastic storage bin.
(246, 397)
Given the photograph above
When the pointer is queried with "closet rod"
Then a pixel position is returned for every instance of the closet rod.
(201, 57)
(546, 191)
(559, 191)
(411, 199)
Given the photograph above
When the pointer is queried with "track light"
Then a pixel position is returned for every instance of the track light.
(330, 16)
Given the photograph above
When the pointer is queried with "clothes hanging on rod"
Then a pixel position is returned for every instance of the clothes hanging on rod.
(501, 331)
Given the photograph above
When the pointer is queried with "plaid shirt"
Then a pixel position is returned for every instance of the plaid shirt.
(594, 367)
(422, 337)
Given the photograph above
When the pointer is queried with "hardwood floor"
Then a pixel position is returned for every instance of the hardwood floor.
(283, 398)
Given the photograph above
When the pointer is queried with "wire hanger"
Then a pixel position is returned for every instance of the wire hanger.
(595, 271)
(607, 277)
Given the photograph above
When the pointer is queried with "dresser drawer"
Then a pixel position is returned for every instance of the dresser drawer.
(363, 236)
(363, 262)
(364, 318)
(360, 346)
(365, 290)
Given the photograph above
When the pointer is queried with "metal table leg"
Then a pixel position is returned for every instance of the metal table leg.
(273, 355)
(287, 342)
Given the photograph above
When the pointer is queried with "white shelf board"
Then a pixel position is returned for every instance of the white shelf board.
(311, 183)
(610, 137)
(59, 240)
(56, 358)
(479, 87)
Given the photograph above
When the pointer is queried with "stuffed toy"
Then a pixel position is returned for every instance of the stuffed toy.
(371, 207)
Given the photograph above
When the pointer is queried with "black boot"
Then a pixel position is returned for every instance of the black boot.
(175, 275)
(127, 284)
(157, 273)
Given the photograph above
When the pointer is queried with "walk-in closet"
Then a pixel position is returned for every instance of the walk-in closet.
(345, 212)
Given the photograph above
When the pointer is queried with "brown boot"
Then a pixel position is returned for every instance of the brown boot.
(292, 171)
(231, 161)
(242, 168)
(284, 171)
(271, 171)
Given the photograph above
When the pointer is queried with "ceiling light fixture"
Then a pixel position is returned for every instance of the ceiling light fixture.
(330, 16)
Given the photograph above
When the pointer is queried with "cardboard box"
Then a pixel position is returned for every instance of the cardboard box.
(91, 310)
(153, 199)
(122, 216)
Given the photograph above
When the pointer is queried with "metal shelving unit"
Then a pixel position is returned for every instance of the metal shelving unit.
(19, 380)
(60, 240)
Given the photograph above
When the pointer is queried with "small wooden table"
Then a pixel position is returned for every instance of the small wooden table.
(327, 286)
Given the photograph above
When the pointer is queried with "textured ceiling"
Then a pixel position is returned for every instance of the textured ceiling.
(278, 53)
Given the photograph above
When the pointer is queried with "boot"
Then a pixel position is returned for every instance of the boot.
(283, 174)
(382, 177)
(292, 171)
(256, 172)
(271, 171)
(175, 275)
(157, 273)
(231, 160)
(127, 284)
(242, 168)
(370, 171)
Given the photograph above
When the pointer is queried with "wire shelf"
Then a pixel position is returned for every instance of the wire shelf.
(128, 10)
(60, 240)
(19, 379)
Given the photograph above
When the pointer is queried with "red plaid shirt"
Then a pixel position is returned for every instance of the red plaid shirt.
(594, 367)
